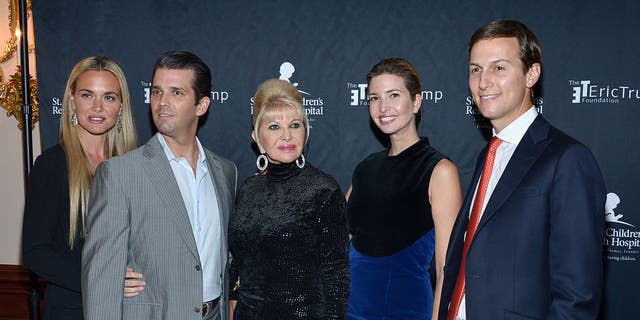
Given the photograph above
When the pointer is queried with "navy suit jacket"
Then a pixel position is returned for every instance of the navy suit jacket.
(537, 252)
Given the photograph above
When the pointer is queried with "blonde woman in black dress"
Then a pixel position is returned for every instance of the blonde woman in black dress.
(96, 124)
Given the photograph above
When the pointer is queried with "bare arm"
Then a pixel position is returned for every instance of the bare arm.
(445, 197)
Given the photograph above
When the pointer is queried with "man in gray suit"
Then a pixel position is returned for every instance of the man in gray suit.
(162, 209)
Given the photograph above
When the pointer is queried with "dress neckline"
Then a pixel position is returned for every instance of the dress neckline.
(282, 171)
(408, 151)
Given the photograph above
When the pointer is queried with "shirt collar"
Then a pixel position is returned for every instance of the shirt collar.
(171, 157)
(514, 132)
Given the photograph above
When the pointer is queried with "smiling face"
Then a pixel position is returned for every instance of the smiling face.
(97, 102)
(172, 103)
(498, 84)
(391, 106)
(281, 134)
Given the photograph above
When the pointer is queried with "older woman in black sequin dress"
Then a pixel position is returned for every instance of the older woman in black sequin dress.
(288, 236)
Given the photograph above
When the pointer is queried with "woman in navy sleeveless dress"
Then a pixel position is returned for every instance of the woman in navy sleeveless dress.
(401, 206)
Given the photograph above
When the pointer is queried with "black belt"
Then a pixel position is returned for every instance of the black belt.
(209, 305)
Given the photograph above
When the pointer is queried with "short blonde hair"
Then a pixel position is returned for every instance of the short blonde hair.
(274, 96)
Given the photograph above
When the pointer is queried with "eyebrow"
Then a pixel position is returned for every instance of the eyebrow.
(273, 119)
(388, 91)
(170, 88)
(491, 62)
(91, 91)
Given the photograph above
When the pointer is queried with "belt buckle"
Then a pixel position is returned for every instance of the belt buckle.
(206, 308)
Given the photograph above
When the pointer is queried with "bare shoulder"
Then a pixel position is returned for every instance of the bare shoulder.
(444, 182)
(445, 170)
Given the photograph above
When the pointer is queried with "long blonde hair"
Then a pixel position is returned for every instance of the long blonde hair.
(79, 167)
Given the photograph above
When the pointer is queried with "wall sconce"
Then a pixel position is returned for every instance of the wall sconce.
(11, 90)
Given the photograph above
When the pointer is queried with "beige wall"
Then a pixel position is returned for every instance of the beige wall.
(12, 187)
(11, 162)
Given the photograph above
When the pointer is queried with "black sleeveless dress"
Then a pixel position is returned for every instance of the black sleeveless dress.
(393, 238)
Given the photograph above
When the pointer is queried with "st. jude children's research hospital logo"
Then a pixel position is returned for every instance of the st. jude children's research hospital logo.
(314, 106)
(472, 111)
(587, 91)
(621, 238)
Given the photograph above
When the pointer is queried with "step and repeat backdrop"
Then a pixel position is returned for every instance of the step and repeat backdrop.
(590, 81)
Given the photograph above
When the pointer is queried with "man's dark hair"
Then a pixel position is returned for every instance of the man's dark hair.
(530, 51)
(186, 60)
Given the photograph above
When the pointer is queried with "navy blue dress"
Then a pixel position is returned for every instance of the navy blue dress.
(393, 239)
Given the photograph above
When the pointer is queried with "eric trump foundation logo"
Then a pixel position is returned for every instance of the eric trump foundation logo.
(359, 95)
(216, 96)
(587, 91)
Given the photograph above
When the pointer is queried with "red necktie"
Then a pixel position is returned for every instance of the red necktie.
(476, 210)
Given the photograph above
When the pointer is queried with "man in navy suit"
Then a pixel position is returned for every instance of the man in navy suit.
(532, 246)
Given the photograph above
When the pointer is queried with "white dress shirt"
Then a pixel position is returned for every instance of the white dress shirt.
(200, 199)
(510, 136)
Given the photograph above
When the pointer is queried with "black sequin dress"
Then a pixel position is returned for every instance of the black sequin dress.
(288, 238)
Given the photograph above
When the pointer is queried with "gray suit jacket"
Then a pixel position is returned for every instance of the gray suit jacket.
(137, 218)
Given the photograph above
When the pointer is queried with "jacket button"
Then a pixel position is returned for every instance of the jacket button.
(197, 267)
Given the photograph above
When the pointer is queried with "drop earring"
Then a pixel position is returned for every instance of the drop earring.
(74, 119)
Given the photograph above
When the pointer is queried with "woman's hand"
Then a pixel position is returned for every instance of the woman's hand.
(133, 283)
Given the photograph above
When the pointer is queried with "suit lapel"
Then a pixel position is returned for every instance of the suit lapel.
(222, 190)
(463, 218)
(222, 195)
(163, 180)
(532, 145)
(456, 242)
